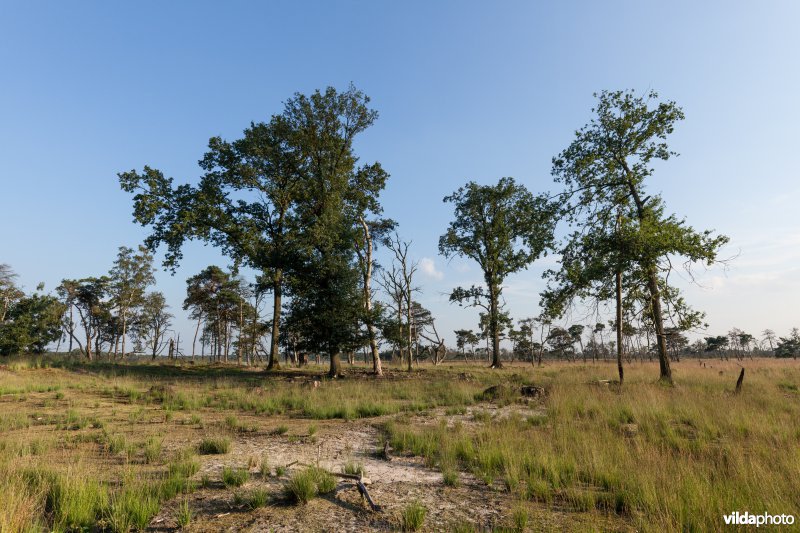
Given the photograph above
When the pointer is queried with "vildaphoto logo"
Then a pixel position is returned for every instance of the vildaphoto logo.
(764, 519)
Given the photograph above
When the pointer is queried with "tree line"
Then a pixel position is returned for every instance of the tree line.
(291, 200)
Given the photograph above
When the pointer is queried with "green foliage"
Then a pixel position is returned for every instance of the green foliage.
(617, 226)
(285, 198)
(504, 228)
(789, 346)
(30, 324)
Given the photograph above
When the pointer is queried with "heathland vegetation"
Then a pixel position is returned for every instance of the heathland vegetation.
(111, 421)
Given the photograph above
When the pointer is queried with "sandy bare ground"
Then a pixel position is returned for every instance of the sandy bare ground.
(393, 484)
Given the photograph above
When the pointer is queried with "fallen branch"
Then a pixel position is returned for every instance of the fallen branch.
(361, 485)
(364, 494)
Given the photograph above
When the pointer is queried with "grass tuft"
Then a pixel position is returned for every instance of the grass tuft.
(214, 445)
(413, 516)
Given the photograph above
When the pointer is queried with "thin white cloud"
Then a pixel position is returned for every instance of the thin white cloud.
(428, 267)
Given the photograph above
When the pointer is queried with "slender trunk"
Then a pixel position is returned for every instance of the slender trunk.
(619, 327)
(116, 345)
(124, 331)
(89, 342)
(254, 337)
(408, 319)
(196, 331)
(652, 283)
(663, 357)
(494, 326)
(71, 329)
(228, 338)
(241, 330)
(367, 270)
(277, 288)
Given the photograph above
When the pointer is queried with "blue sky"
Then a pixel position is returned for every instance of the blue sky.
(465, 91)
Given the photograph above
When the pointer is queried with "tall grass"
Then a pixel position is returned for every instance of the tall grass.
(696, 451)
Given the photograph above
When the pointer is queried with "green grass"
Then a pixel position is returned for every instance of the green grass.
(650, 457)
(214, 445)
(256, 498)
(698, 450)
(184, 515)
(152, 449)
(234, 476)
(306, 484)
(413, 516)
(353, 468)
(263, 466)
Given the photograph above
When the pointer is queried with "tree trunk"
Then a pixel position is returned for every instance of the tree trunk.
(336, 365)
(89, 343)
(619, 328)
(124, 331)
(652, 283)
(410, 338)
(196, 331)
(663, 357)
(494, 327)
(241, 331)
(367, 271)
(277, 288)
(71, 329)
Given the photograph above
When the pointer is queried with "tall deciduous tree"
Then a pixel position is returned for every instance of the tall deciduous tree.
(275, 198)
(153, 323)
(30, 324)
(9, 292)
(371, 232)
(130, 276)
(87, 297)
(502, 227)
(605, 170)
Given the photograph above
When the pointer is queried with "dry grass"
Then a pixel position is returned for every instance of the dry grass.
(666, 458)
(88, 445)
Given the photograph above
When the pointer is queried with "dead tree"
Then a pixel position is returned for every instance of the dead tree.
(401, 281)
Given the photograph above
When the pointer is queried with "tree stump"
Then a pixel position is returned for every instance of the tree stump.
(739, 382)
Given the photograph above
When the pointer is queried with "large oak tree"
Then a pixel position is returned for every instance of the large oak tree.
(502, 227)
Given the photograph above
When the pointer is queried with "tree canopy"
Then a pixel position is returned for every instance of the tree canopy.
(502, 227)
